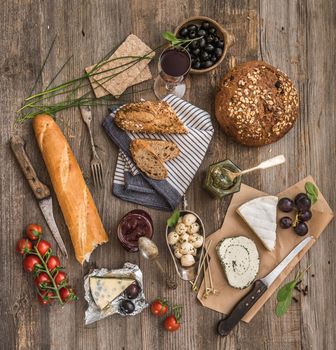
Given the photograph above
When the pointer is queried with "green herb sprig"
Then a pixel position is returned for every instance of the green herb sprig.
(172, 220)
(284, 295)
(311, 191)
(174, 41)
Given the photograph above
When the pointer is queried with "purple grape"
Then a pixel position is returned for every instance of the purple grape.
(301, 229)
(285, 222)
(286, 205)
(305, 215)
(302, 202)
(132, 291)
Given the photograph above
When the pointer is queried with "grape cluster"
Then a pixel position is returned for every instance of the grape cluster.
(302, 205)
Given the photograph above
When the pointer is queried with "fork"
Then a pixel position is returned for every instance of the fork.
(96, 163)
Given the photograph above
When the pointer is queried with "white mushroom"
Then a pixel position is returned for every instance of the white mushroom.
(189, 219)
(194, 228)
(181, 228)
(187, 260)
(197, 241)
(186, 248)
(184, 238)
(172, 238)
(177, 253)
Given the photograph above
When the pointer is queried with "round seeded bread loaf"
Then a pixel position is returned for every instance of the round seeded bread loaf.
(257, 104)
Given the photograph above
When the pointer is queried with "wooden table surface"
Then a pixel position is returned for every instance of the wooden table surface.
(296, 36)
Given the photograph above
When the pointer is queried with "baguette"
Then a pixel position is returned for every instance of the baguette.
(148, 162)
(165, 150)
(150, 117)
(79, 211)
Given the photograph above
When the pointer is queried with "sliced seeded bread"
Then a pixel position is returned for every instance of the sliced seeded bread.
(165, 150)
(148, 162)
(149, 117)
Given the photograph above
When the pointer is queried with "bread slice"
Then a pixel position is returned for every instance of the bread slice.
(165, 150)
(148, 162)
(149, 117)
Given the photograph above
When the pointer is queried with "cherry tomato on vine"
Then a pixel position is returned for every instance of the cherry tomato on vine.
(60, 277)
(171, 324)
(53, 262)
(34, 231)
(23, 246)
(159, 307)
(42, 279)
(43, 246)
(45, 298)
(67, 294)
(30, 261)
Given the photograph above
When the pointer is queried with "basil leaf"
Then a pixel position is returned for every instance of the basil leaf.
(169, 36)
(172, 220)
(311, 191)
(283, 306)
(285, 291)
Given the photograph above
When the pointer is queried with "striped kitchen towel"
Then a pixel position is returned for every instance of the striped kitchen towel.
(132, 185)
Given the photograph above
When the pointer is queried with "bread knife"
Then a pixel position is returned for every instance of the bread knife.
(259, 288)
(40, 190)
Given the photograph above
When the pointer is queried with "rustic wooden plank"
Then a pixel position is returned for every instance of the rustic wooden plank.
(293, 35)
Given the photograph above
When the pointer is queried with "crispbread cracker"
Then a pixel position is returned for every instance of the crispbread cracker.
(132, 46)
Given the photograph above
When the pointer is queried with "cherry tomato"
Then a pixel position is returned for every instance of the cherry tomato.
(30, 261)
(171, 324)
(159, 307)
(53, 262)
(42, 279)
(67, 294)
(60, 277)
(46, 297)
(23, 246)
(43, 246)
(34, 232)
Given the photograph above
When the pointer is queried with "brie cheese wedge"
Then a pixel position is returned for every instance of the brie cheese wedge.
(240, 259)
(105, 290)
(260, 215)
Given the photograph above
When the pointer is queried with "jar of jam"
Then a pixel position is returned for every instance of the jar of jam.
(135, 224)
(218, 183)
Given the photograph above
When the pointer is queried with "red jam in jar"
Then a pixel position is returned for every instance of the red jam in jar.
(135, 224)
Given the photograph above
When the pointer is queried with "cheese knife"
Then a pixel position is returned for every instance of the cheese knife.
(260, 286)
(40, 190)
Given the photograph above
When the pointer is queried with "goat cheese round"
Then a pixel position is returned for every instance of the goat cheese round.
(181, 228)
(240, 259)
(189, 219)
(178, 253)
(197, 240)
(186, 248)
(172, 238)
(194, 228)
(187, 260)
(184, 238)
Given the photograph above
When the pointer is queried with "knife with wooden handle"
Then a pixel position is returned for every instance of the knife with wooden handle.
(225, 325)
(40, 190)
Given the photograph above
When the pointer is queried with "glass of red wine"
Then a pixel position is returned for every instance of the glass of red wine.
(174, 65)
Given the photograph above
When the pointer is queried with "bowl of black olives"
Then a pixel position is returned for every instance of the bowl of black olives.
(209, 50)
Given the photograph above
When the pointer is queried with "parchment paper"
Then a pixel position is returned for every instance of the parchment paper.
(233, 225)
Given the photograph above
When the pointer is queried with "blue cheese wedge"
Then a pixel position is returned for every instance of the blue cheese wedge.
(240, 259)
(105, 290)
(260, 215)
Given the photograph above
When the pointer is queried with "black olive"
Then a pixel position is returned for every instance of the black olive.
(191, 28)
(194, 44)
(205, 25)
(212, 30)
(206, 64)
(202, 42)
(204, 56)
(201, 32)
(196, 52)
(218, 52)
(209, 38)
(126, 307)
(192, 34)
(209, 48)
(183, 31)
(216, 39)
(213, 58)
(196, 65)
(220, 44)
